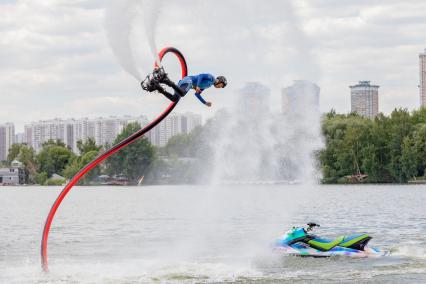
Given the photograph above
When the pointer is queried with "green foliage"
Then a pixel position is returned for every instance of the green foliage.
(182, 157)
(88, 151)
(134, 160)
(78, 163)
(387, 149)
(346, 145)
(26, 156)
(53, 158)
(177, 145)
(87, 146)
(52, 142)
(55, 182)
(41, 178)
(14, 152)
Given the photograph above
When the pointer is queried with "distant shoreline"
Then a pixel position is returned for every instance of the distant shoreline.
(419, 182)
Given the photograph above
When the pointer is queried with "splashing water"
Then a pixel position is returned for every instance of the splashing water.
(151, 13)
(256, 145)
(300, 132)
(119, 20)
(123, 22)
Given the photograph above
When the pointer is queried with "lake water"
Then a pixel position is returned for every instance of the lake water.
(195, 234)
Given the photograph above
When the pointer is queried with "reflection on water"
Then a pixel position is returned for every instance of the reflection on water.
(208, 234)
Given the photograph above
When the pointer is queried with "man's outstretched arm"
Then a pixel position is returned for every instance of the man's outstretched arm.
(200, 98)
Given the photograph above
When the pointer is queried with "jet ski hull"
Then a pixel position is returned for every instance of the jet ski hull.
(336, 251)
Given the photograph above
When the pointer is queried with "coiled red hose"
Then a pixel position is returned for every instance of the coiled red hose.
(129, 140)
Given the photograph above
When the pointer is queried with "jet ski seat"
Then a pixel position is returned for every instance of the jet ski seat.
(325, 245)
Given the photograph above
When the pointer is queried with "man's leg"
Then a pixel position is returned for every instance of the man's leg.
(173, 98)
(184, 85)
(176, 88)
(160, 76)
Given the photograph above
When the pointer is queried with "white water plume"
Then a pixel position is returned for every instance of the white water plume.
(254, 145)
(253, 142)
(300, 130)
(151, 13)
(124, 23)
(119, 20)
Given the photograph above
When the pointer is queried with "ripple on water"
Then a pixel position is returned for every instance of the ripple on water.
(198, 235)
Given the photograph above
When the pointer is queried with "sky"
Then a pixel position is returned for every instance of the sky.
(56, 56)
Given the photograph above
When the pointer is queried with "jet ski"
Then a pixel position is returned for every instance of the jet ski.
(300, 241)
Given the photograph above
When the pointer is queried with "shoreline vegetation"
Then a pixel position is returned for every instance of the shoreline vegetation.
(388, 149)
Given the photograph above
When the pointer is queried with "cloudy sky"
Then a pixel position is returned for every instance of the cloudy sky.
(56, 56)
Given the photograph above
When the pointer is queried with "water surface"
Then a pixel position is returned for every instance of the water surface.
(195, 234)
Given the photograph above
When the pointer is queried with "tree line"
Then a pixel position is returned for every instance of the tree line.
(388, 149)
(56, 158)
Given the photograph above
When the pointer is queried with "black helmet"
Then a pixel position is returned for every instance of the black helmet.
(221, 79)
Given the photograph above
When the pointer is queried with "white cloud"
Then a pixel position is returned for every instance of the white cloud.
(55, 59)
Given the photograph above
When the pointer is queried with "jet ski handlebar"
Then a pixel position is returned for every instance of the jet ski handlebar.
(311, 226)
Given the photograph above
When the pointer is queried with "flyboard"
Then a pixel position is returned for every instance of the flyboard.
(129, 140)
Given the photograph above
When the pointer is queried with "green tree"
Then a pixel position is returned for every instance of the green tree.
(41, 178)
(177, 145)
(347, 141)
(14, 152)
(409, 160)
(134, 160)
(53, 158)
(88, 151)
(377, 155)
(183, 156)
(52, 142)
(419, 116)
(27, 157)
(387, 149)
(419, 144)
(78, 163)
(87, 146)
(399, 127)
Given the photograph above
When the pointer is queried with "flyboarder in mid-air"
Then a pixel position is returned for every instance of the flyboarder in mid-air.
(198, 82)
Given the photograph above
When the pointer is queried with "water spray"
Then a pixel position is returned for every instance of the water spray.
(121, 22)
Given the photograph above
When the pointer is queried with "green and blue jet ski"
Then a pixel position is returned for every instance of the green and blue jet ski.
(300, 242)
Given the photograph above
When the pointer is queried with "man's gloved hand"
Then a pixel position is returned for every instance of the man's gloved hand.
(209, 104)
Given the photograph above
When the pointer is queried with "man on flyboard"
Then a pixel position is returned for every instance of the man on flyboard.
(198, 82)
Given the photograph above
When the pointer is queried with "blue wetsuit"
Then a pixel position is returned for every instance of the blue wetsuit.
(202, 81)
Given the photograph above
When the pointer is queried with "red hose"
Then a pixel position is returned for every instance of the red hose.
(132, 138)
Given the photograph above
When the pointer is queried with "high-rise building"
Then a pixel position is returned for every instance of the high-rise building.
(37, 133)
(254, 99)
(7, 137)
(422, 63)
(105, 130)
(299, 97)
(189, 121)
(172, 125)
(102, 130)
(19, 138)
(365, 99)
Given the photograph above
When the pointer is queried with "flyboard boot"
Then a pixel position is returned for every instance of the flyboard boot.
(153, 83)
